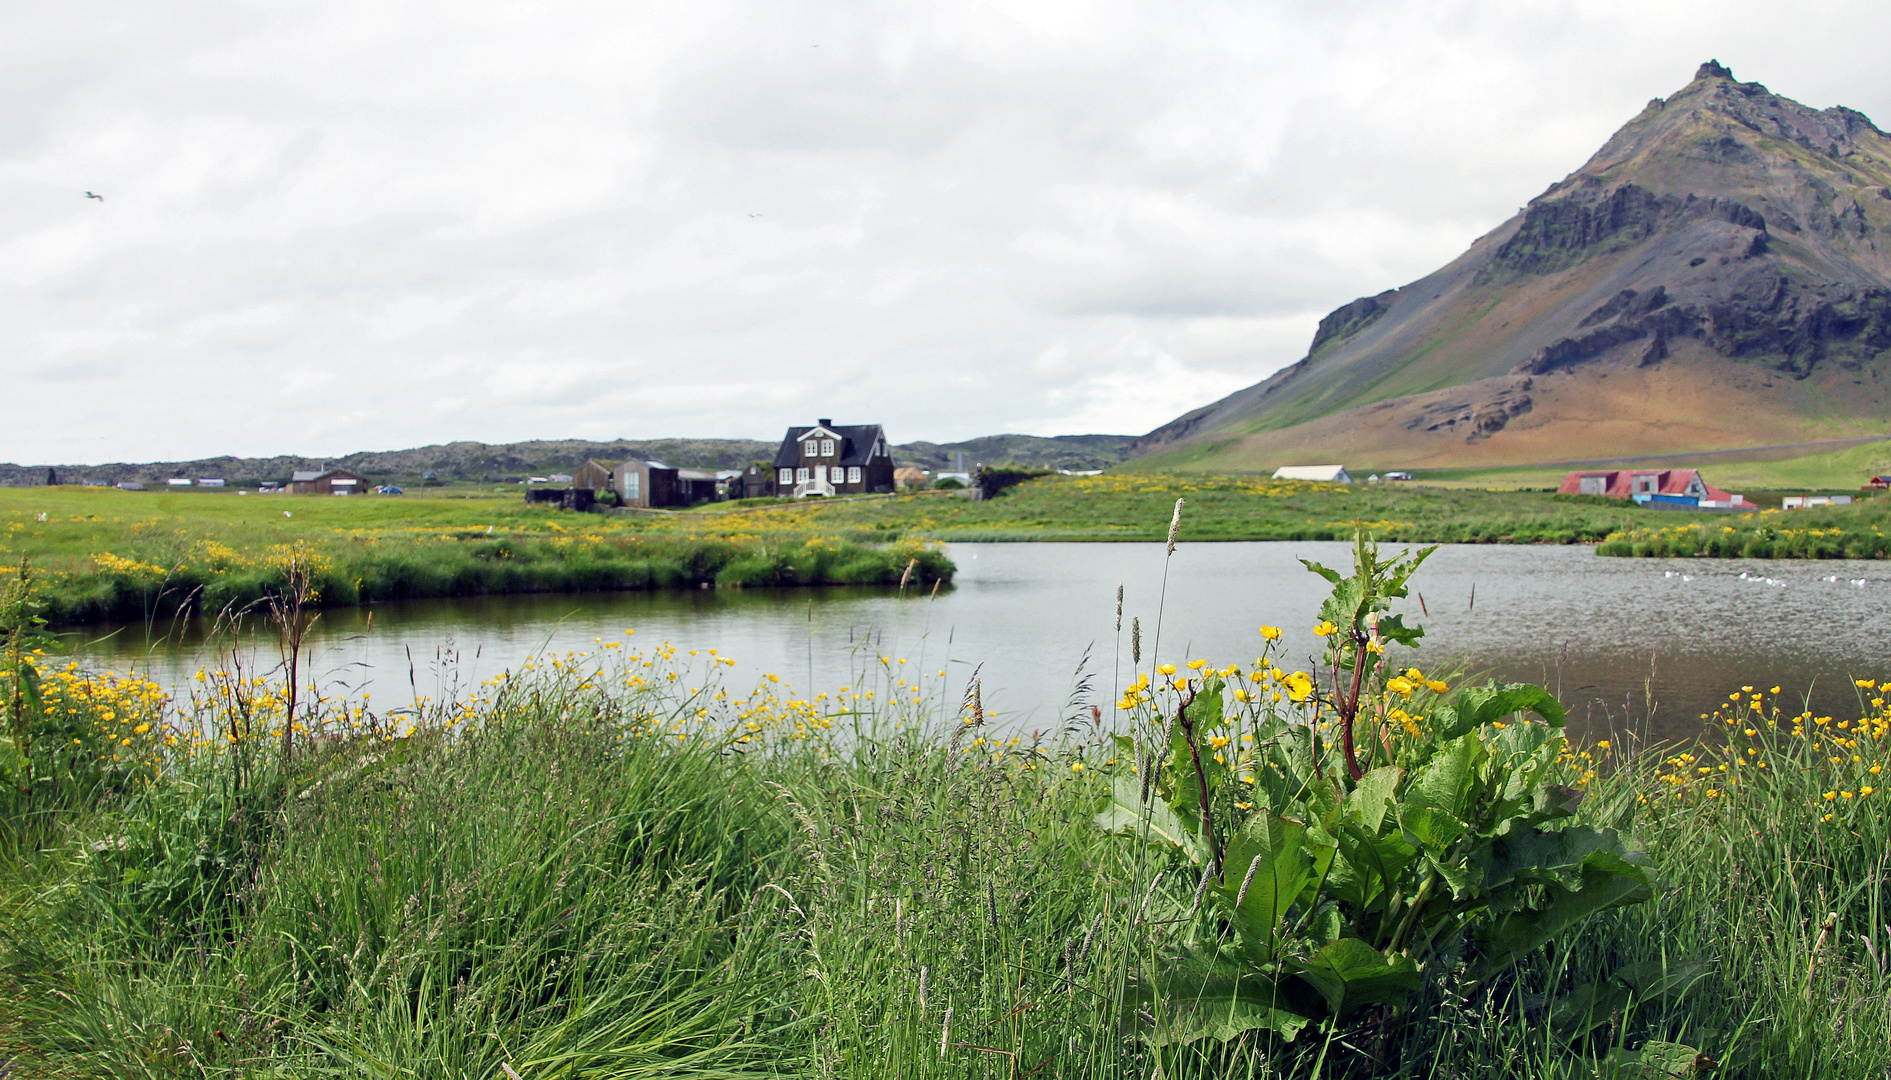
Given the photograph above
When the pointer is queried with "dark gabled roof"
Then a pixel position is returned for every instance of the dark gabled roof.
(857, 442)
(305, 476)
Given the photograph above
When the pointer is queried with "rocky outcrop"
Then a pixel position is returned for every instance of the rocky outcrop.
(1476, 411)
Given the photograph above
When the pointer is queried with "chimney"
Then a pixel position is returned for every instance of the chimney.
(825, 422)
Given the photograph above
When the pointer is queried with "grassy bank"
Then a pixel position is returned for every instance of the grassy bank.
(612, 865)
(1136, 506)
(108, 554)
(1826, 532)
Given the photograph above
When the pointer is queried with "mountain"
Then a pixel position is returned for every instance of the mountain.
(1717, 275)
(481, 461)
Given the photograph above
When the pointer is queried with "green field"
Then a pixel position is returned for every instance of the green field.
(1138, 506)
(614, 865)
(108, 554)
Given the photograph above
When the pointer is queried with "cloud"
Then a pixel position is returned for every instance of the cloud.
(351, 225)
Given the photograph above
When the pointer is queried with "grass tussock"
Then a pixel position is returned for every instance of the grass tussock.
(592, 868)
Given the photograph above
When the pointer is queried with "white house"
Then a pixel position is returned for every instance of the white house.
(1324, 474)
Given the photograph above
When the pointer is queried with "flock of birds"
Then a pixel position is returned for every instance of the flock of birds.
(1760, 579)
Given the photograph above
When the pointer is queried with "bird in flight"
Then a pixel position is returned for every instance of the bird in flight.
(755, 215)
(100, 198)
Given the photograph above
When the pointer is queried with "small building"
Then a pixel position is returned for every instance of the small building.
(213, 482)
(1877, 483)
(1807, 502)
(178, 481)
(596, 475)
(326, 482)
(1673, 488)
(829, 459)
(130, 485)
(907, 478)
(1398, 475)
(644, 483)
(757, 481)
(697, 486)
(1320, 474)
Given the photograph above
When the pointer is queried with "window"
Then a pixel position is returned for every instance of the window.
(633, 483)
(812, 449)
(837, 474)
(1647, 485)
(827, 448)
(787, 476)
(853, 474)
(801, 476)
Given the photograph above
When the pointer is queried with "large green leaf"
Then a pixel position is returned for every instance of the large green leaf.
(1267, 866)
(1222, 1007)
(1606, 882)
(1551, 857)
(1367, 802)
(1126, 812)
(1475, 706)
(1445, 782)
(1368, 865)
(1351, 974)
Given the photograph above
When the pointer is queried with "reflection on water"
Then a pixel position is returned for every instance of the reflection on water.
(1610, 635)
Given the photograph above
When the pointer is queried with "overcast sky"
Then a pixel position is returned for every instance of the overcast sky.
(353, 224)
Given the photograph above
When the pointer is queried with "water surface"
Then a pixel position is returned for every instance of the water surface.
(1621, 640)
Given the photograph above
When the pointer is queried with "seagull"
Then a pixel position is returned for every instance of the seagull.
(100, 198)
(755, 215)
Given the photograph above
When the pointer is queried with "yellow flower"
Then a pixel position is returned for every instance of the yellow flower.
(1602, 744)
(1325, 629)
(1166, 669)
(1436, 686)
(1299, 686)
(1271, 633)
(1197, 665)
(1076, 766)
(1400, 685)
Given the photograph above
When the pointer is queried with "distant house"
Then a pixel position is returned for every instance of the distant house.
(1655, 487)
(1398, 475)
(829, 459)
(178, 481)
(1323, 474)
(697, 485)
(1806, 502)
(326, 482)
(130, 485)
(645, 483)
(755, 482)
(1877, 482)
(595, 474)
(907, 478)
(211, 482)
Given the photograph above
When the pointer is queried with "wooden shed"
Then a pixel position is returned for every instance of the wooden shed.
(326, 482)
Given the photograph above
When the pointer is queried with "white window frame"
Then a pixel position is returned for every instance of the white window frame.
(827, 448)
(801, 476)
(809, 449)
(786, 476)
(853, 474)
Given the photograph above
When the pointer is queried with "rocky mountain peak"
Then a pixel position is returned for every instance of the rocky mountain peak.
(1725, 223)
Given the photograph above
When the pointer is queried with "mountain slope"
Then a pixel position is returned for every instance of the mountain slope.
(1718, 274)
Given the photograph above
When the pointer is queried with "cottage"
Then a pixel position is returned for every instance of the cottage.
(1877, 483)
(697, 485)
(829, 459)
(645, 483)
(596, 475)
(1323, 474)
(757, 481)
(907, 478)
(326, 482)
(1653, 487)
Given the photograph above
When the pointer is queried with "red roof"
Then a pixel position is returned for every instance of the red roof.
(1626, 483)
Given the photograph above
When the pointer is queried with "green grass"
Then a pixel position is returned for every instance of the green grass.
(1825, 532)
(1842, 470)
(574, 874)
(111, 554)
(1137, 506)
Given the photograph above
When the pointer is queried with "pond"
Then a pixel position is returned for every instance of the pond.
(1642, 644)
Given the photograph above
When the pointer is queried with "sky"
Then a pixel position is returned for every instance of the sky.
(354, 225)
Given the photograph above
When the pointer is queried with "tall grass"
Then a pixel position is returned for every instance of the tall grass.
(593, 869)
